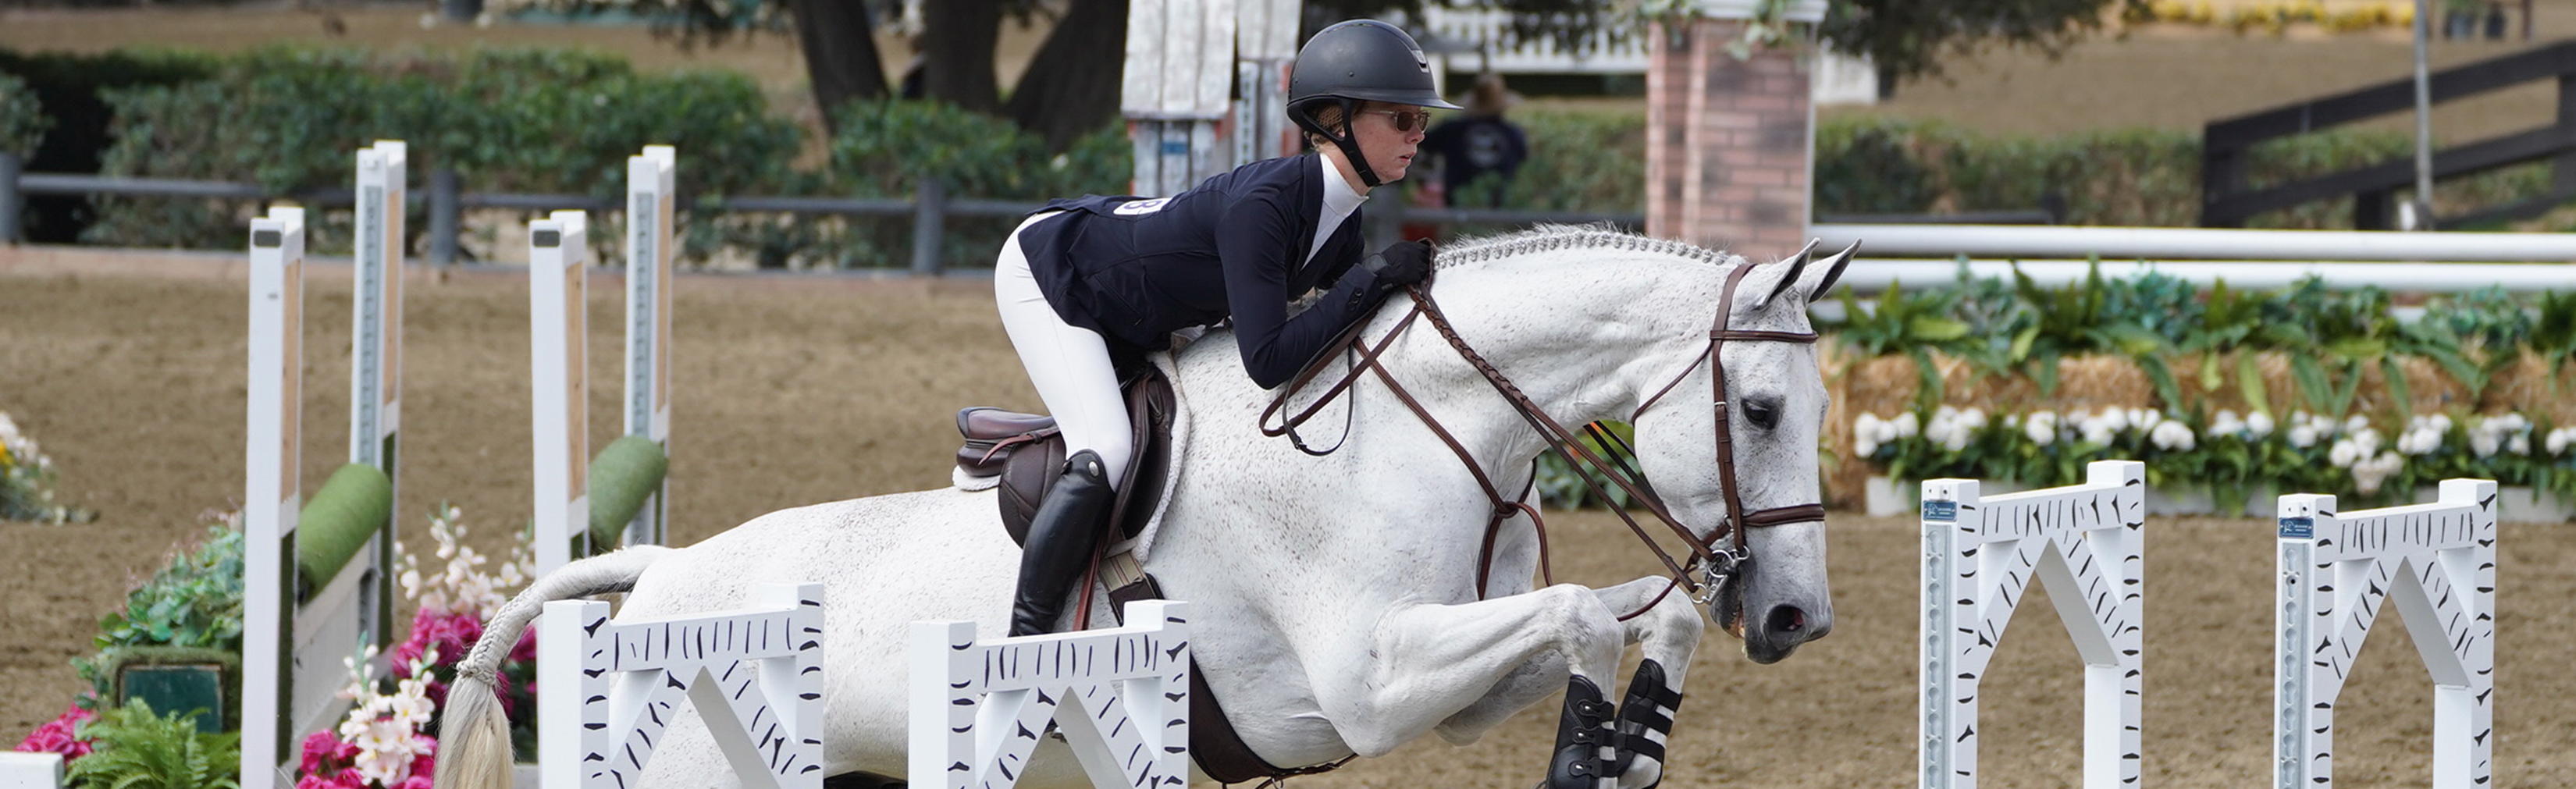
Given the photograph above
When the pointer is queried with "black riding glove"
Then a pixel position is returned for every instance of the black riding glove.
(1401, 264)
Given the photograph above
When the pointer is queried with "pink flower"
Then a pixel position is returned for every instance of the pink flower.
(321, 749)
(526, 650)
(452, 634)
(61, 735)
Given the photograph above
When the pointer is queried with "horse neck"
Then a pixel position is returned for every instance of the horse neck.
(1585, 336)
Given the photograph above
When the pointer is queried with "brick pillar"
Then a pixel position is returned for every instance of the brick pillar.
(1730, 143)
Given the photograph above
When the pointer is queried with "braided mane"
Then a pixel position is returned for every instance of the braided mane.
(1552, 238)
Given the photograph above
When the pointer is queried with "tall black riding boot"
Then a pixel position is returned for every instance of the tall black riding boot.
(1061, 537)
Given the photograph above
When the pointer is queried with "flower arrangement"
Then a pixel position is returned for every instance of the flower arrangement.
(386, 742)
(2233, 454)
(27, 481)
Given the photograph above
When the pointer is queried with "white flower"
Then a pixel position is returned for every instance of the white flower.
(1905, 424)
(2303, 436)
(2144, 419)
(2344, 453)
(2557, 440)
(2355, 423)
(2368, 474)
(2113, 419)
(2483, 443)
(2519, 444)
(2041, 427)
(2173, 435)
(2259, 424)
(2225, 423)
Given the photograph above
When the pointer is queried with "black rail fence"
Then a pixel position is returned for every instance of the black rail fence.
(2227, 199)
(930, 208)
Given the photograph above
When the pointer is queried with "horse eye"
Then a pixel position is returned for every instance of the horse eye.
(1763, 412)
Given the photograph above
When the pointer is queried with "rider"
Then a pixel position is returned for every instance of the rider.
(1087, 287)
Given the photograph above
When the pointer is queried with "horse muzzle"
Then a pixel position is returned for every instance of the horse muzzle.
(1770, 630)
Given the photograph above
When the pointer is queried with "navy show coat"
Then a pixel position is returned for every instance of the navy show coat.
(1135, 270)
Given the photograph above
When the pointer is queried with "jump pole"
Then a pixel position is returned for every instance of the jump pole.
(2436, 563)
(1980, 554)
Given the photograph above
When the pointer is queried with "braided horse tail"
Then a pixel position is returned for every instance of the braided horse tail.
(474, 735)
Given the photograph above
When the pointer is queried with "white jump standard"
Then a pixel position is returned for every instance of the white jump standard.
(1979, 556)
(588, 504)
(2437, 563)
(608, 690)
(318, 581)
(1120, 697)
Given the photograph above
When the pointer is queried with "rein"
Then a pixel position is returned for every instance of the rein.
(1718, 564)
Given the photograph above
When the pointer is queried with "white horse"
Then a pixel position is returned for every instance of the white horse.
(1335, 597)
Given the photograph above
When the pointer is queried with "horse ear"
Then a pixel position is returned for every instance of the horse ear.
(1833, 271)
(1797, 266)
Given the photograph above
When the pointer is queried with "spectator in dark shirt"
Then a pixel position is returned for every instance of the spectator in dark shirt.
(1477, 142)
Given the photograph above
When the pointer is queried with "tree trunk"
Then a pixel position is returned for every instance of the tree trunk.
(961, 36)
(840, 54)
(1072, 85)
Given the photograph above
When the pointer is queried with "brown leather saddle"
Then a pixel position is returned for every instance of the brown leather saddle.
(1027, 452)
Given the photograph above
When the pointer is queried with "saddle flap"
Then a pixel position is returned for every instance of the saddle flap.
(990, 435)
(998, 443)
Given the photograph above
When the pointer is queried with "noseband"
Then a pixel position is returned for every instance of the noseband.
(1717, 564)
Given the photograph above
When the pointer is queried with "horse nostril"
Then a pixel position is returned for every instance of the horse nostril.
(1787, 619)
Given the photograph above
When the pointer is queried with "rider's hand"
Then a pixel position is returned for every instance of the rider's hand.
(1401, 264)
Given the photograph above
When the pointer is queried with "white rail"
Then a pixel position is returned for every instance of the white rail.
(1871, 275)
(2168, 243)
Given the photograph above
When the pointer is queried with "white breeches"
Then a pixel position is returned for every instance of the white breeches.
(1068, 364)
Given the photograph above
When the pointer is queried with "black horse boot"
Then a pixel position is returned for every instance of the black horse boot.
(1061, 537)
(1580, 734)
(1643, 711)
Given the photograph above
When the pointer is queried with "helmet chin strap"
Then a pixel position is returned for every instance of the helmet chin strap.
(1349, 142)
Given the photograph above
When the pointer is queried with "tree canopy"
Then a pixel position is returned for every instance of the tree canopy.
(1071, 85)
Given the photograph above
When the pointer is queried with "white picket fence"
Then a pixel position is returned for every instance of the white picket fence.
(609, 689)
(1120, 698)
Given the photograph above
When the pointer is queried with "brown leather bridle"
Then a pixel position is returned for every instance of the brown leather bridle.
(1718, 564)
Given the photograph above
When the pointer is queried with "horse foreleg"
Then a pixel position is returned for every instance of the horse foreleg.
(1425, 664)
(1668, 633)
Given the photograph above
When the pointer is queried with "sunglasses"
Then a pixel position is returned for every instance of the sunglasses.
(1405, 120)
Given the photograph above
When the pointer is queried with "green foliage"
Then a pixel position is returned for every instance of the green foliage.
(195, 601)
(529, 121)
(22, 118)
(885, 148)
(2330, 335)
(1868, 164)
(1563, 485)
(137, 749)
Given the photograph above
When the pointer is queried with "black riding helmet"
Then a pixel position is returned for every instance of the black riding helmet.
(1355, 61)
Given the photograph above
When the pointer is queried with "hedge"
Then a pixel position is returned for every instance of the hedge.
(514, 120)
